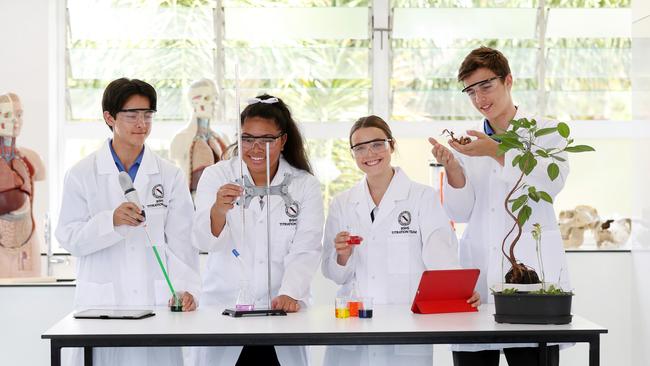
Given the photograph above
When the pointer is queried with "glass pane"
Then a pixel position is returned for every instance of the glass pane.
(310, 104)
(589, 3)
(423, 63)
(593, 63)
(77, 149)
(333, 165)
(296, 23)
(298, 63)
(295, 3)
(412, 105)
(161, 63)
(435, 23)
(593, 179)
(168, 44)
(100, 22)
(464, 3)
(598, 105)
(316, 58)
(86, 104)
(589, 23)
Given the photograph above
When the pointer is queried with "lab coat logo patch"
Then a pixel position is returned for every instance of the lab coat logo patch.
(157, 191)
(404, 218)
(292, 210)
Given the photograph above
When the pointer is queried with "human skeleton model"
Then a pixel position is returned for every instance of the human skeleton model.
(197, 146)
(19, 245)
(607, 233)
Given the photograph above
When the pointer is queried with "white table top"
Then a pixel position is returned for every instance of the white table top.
(313, 325)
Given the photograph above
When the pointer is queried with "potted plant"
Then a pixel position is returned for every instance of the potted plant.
(548, 304)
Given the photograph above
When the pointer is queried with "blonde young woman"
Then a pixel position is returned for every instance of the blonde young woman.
(405, 232)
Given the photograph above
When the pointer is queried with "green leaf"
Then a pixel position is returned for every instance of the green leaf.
(520, 201)
(532, 189)
(515, 123)
(563, 129)
(524, 215)
(530, 164)
(579, 148)
(512, 134)
(545, 131)
(542, 153)
(545, 196)
(502, 149)
(516, 159)
(557, 157)
(553, 171)
(512, 143)
(534, 196)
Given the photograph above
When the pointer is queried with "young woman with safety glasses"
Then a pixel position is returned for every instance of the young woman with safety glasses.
(404, 232)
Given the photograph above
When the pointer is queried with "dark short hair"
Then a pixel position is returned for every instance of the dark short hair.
(294, 149)
(373, 121)
(119, 91)
(484, 57)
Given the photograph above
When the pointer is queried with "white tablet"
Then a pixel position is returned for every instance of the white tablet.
(113, 314)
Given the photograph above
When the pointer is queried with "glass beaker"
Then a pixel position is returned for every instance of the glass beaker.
(341, 307)
(245, 300)
(366, 308)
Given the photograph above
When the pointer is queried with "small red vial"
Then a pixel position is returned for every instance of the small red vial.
(354, 240)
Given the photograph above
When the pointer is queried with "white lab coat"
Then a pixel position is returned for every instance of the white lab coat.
(480, 204)
(391, 258)
(116, 267)
(295, 249)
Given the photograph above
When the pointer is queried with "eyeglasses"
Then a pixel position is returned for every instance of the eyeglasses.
(484, 87)
(248, 141)
(132, 115)
(377, 146)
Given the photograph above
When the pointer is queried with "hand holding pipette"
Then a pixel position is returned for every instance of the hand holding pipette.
(128, 213)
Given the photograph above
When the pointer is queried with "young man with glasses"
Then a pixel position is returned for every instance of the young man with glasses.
(117, 266)
(477, 183)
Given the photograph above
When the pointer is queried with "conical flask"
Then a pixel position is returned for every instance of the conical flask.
(245, 301)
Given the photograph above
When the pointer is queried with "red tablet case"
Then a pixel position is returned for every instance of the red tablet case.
(445, 291)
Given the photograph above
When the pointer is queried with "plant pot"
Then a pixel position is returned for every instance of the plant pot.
(527, 308)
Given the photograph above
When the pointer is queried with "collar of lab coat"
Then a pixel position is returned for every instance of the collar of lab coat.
(148, 166)
(521, 113)
(398, 190)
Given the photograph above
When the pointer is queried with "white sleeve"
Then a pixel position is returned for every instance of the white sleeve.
(182, 257)
(305, 249)
(77, 231)
(206, 193)
(439, 243)
(459, 202)
(330, 268)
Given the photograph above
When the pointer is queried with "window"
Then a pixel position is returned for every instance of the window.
(335, 61)
(570, 58)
